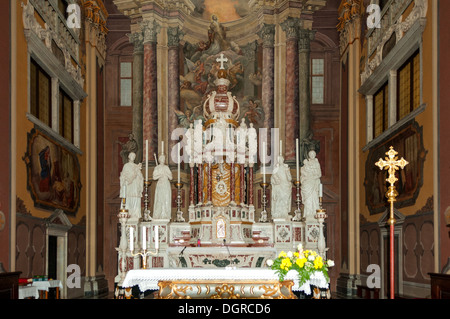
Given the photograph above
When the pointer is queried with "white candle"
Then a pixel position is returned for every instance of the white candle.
(144, 237)
(179, 161)
(131, 239)
(264, 162)
(146, 160)
(156, 237)
(296, 159)
(320, 190)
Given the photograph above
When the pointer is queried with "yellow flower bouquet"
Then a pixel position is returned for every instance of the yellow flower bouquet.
(304, 262)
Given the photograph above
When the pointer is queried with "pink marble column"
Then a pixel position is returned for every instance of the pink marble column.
(267, 34)
(191, 186)
(174, 35)
(250, 186)
(232, 184)
(200, 183)
(150, 95)
(290, 26)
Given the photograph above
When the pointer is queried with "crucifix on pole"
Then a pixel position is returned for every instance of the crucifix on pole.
(391, 164)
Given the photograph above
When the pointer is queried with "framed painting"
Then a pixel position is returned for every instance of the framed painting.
(408, 142)
(53, 174)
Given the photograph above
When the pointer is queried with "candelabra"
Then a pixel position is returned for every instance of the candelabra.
(179, 201)
(321, 214)
(147, 216)
(144, 252)
(122, 249)
(298, 212)
(264, 201)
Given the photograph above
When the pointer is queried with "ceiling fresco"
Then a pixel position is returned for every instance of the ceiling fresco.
(225, 10)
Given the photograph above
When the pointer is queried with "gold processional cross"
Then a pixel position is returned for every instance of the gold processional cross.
(392, 164)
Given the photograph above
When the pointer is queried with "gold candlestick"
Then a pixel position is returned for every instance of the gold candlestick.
(144, 253)
(298, 212)
(391, 164)
(179, 201)
(147, 216)
(264, 201)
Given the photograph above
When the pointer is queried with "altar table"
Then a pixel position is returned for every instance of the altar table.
(219, 283)
(45, 285)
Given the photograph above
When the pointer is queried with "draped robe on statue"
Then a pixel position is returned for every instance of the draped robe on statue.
(281, 190)
(132, 186)
(310, 179)
(163, 193)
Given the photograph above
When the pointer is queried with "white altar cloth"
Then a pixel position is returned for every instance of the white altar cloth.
(147, 279)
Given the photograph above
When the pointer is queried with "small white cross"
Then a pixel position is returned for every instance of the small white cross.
(221, 60)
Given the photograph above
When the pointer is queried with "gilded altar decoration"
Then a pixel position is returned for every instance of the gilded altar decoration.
(237, 289)
(307, 263)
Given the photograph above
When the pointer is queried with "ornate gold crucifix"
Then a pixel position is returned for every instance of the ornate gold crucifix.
(391, 164)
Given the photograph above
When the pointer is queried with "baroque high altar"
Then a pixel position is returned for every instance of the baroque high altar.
(221, 231)
(214, 123)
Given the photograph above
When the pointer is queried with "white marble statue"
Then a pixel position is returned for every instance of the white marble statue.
(163, 194)
(310, 183)
(189, 147)
(241, 140)
(281, 190)
(132, 186)
(252, 144)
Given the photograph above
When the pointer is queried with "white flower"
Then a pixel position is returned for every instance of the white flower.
(311, 258)
(269, 262)
(290, 254)
(330, 263)
(300, 247)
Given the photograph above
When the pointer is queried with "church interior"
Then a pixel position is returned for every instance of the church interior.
(150, 143)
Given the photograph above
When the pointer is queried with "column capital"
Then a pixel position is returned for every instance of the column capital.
(291, 27)
(137, 39)
(305, 38)
(174, 36)
(267, 34)
(150, 30)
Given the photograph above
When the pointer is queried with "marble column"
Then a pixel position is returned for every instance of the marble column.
(209, 183)
(174, 35)
(267, 34)
(150, 89)
(138, 67)
(305, 132)
(232, 183)
(242, 185)
(191, 184)
(200, 184)
(290, 26)
(250, 185)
